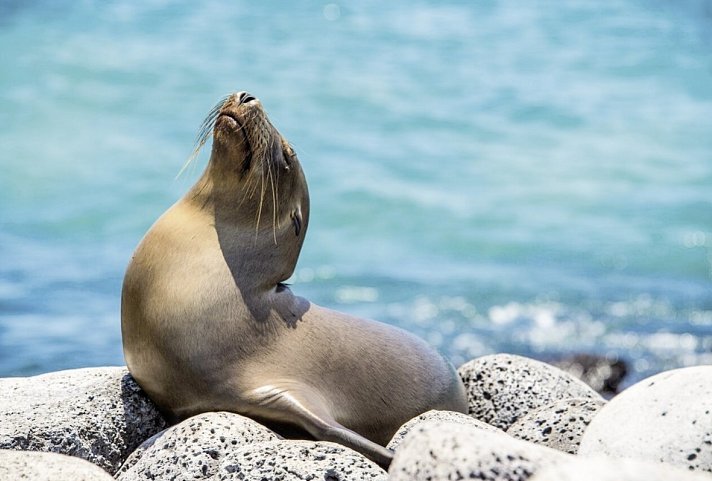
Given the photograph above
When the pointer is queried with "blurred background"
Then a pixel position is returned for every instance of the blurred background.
(526, 177)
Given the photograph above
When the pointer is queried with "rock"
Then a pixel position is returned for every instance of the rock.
(667, 418)
(39, 466)
(603, 373)
(559, 425)
(98, 414)
(137, 453)
(194, 447)
(435, 415)
(446, 450)
(501, 388)
(228, 446)
(297, 461)
(610, 469)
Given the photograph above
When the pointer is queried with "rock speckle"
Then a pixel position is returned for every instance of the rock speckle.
(501, 388)
(609, 469)
(39, 466)
(446, 450)
(559, 425)
(667, 418)
(193, 447)
(435, 415)
(97, 414)
(298, 461)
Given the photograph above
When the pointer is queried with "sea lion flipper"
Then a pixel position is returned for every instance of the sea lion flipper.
(330, 430)
(305, 408)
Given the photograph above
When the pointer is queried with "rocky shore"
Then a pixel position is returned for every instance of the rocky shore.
(527, 420)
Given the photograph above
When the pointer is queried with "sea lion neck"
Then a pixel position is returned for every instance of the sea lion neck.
(254, 191)
(260, 249)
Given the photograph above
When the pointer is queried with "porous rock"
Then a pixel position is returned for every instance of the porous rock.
(446, 450)
(223, 446)
(435, 415)
(666, 418)
(194, 448)
(98, 414)
(39, 466)
(559, 425)
(298, 461)
(611, 469)
(501, 388)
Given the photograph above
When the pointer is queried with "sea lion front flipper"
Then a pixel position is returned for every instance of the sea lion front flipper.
(301, 406)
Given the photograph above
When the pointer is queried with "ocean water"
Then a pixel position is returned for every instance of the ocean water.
(528, 177)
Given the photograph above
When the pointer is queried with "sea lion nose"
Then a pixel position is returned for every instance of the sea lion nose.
(245, 97)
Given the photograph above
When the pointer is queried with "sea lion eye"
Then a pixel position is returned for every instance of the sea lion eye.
(289, 156)
(297, 221)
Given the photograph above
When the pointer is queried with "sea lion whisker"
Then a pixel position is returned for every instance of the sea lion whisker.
(246, 192)
(251, 187)
(262, 199)
(204, 132)
(274, 202)
(277, 204)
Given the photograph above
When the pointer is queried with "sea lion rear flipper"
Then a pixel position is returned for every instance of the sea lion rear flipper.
(305, 408)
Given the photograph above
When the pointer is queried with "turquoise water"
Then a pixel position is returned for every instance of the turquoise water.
(531, 177)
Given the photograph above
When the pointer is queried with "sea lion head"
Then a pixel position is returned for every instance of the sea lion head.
(255, 185)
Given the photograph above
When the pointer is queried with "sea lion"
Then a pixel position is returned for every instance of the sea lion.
(208, 325)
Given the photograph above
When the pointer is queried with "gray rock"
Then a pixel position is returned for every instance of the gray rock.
(501, 388)
(138, 453)
(603, 373)
(194, 448)
(666, 418)
(559, 425)
(98, 414)
(298, 461)
(39, 466)
(610, 469)
(435, 415)
(440, 450)
(228, 446)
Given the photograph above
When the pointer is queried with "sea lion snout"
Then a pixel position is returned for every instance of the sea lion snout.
(240, 106)
(240, 109)
(241, 130)
(241, 100)
(244, 97)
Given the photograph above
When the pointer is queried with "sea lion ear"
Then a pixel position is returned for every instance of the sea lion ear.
(297, 221)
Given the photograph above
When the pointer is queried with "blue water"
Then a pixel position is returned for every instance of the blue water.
(531, 177)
